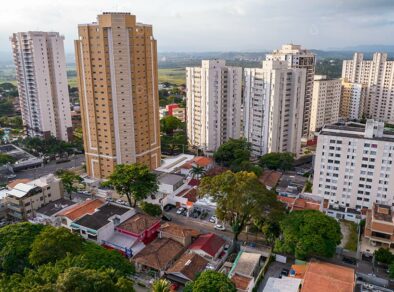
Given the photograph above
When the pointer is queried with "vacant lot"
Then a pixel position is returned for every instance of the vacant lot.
(173, 75)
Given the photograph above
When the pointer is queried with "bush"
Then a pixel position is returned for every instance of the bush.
(151, 209)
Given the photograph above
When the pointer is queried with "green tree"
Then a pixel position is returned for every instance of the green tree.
(170, 124)
(69, 180)
(151, 209)
(197, 171)
(383, 255)
(211, 281)
(53, 244)
(309, 233)
(135, 181)
(161, 285)
(173, 134)
(233, 154)
(5, 158)
(240, 197)
(276, 160)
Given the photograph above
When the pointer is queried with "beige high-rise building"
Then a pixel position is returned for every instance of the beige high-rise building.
(378, 75)
(297, 57)
(117, 71)
(353, 97)
(42, 83)
(325, 102)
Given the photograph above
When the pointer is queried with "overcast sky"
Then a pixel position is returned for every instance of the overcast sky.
(217, 25)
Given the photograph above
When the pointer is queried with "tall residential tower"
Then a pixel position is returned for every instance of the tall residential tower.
(117, 71)
(42, 83)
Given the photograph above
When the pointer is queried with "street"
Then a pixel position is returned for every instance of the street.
(51, 167)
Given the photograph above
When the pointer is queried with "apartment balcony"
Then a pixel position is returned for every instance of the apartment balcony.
(15, 207)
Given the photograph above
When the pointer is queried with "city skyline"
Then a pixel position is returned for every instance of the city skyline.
(218, 26)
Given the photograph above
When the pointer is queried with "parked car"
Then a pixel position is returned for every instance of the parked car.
(213, 219)
(220, 227)
(284, 272)
(168, 207)
(350, 261)
(165, 217)
(180, 210)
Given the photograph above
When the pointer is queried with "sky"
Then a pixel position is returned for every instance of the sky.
(216, 25)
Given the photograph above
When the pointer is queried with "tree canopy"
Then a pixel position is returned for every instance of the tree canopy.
(309, 233)
(211, 281)
(161, 285)
(383, 255)
(240, 197)
(135, 181)
(173, 135)
(277, 160)
(69, 180)
(233, 153)
(5, 158)
(151, 209)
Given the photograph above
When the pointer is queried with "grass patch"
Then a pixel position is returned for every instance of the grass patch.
(172, 75)
(352, 242)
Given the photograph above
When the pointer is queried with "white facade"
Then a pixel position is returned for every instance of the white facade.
(213, 104)
(273, 107)
(297, 57)
(378, 75)
(325, 102)
(42, 83)
(353, 97)
(353, 165)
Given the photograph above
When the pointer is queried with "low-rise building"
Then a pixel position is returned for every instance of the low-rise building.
(343, 213)
(300, 203)
(141, 226)
(169, 183)
(379, 226)
(245, 270)
(179, 233)
(179, 113)
(291, 184)
(186, 268)
(270, 178)
(284, 284)
(47, 214)
(209, 246)
(173, 164)
(199, 161)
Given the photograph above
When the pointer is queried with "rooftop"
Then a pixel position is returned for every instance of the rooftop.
(172, 164)
(246, 263)
(270, 178)
(295, 204)
(21, 189)
(285, 284)
(159, 253)
(55, 206)
(327, 277)
(101, 216)
(170, 179)
(189, 194)
(189, 265)
(382, 213)
(241, 282)
(81, 209)
(13, 183)
(201, 161)
(209, 243)
(138, 223)
(178, 230)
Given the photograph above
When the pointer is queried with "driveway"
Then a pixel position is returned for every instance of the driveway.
(274, 270)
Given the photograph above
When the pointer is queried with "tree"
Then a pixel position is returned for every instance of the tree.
(170, 124)
(240, 197)
(309, 233)
(53, 244)
(161, 285)
(135, 181)
(151, 209)
(5, 158)
(233, 154)
(211, 281)
(197, 171)
(383, 255)
(276, 160)
(173, 134)
(69, 180)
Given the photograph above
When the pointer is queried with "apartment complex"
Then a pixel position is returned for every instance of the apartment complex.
(213, 104)
(325, 102)
(377, 75)
(117, 72)
(273, 107)
(353, 165)
(42, 83)
(353, 97)
(379, 226)
(297, 57)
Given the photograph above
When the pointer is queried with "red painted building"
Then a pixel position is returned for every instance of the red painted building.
(141, 226)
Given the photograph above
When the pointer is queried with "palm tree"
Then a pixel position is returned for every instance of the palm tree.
(197, 171)
(161, 285)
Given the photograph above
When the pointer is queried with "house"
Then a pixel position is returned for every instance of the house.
(201, 161)
(209, 246)
(291, 184)
(47, 214)
(284, 284)
(100, 224)
(179, 233)
(346, 213)
(158, 256)
(169, 182)
(186, 268)
(243, 283)
(379, 226)
(173, 164)
(77, 211)
(141, 226)
(270, 178)
(299, 203)
(25, 198)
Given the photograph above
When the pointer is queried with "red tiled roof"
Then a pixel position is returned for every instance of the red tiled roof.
(296, 204)
(241, 282)
(81, 209)
(193, 182)
(138, 223)
(199, 160)
(209, 243)
(270, 178)
(13, 183)
(189, 265)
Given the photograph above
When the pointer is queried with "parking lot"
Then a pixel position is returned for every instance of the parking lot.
(198, 213)
(274, 270)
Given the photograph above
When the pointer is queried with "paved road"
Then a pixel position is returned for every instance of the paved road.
(51, 167)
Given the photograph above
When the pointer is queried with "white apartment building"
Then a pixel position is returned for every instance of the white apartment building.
(297, 57)
(213, 104)
(326, 99)
(42, 83)
(378, 75)
(354, 165)
(273, 107)
(353, 97)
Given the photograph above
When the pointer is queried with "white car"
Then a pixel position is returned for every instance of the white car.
(213, 219)
(180, 210)
(220, 227)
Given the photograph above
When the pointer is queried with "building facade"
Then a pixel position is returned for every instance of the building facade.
(353, 97)
(326, 99)
(42, 83)
(297, 57)
(213, 106)
(273, 107)
(378, 75)
(117, 72)
(353, 165)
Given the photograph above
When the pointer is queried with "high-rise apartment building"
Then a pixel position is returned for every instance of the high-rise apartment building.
(42, 83)
(353, 97)
(326, 99)
(354, 165)
(273, 107)
(297, 57)
(117, 71)
(213, 104)
(378, 75)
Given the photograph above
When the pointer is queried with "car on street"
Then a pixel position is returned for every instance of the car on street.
(165, 217)
(219, 227)
(168, 207)
(284, 273)
(213, 219)
(180, 210)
